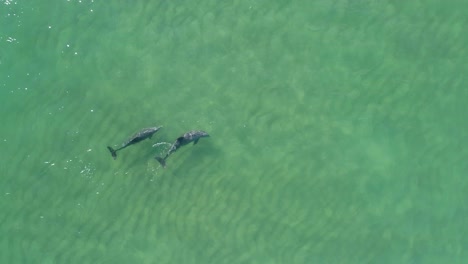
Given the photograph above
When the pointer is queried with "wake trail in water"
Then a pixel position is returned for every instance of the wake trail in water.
(162, 143)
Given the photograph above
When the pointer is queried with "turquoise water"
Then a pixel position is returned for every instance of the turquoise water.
(338, 131)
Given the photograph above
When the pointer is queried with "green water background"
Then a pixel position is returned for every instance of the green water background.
(338, 131)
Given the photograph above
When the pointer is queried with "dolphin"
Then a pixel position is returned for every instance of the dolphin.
(191, 136)
(135, 138)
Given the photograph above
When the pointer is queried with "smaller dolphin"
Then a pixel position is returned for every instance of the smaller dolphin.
(135, 138)
(191, 136)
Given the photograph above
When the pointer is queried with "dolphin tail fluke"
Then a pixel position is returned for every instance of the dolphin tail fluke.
(161, 161)
(113, 152)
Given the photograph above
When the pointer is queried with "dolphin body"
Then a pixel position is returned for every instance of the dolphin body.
(191, 136)
(135, 138)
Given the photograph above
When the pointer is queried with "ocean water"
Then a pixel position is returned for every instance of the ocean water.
(338, 131)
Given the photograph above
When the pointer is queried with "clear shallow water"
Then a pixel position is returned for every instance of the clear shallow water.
(338, 132)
